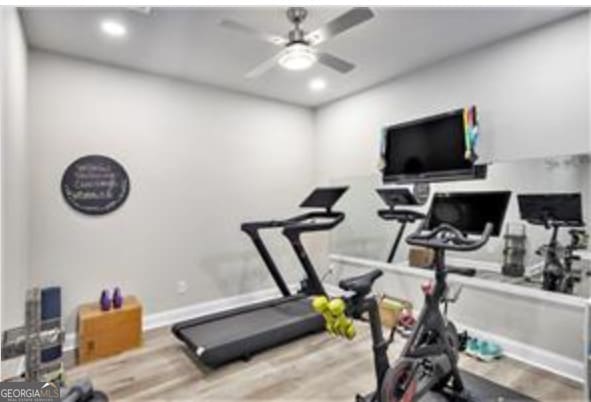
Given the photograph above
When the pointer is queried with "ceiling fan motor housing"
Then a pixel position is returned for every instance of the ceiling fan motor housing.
(296, 15)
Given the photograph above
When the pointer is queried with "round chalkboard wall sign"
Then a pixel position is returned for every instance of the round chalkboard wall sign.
(95, 185)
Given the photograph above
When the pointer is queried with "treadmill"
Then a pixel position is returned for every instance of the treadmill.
(222, 337)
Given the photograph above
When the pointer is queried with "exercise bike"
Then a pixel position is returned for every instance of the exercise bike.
(429, 359)
(553, 211)
(558, 275)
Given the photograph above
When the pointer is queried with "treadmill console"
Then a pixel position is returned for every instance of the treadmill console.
(324, 197)
(397, 196)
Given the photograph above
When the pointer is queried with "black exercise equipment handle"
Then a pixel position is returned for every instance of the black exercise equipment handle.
(250, 227)
(447, 237)
(302, 224)
(402, 215)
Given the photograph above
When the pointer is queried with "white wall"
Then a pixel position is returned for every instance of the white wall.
(201, 161)
(532, 92)
(14, 167)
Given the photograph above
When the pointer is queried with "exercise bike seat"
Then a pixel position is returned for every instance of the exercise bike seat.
(361, 284)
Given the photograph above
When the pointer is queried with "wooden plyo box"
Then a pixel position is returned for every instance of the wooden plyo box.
(105, 333)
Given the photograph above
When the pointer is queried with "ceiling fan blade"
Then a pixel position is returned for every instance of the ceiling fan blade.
(342, 23)
(334, 62)
(267, 37)
(264, 66)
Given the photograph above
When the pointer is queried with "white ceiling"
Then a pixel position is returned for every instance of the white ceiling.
(188, 43)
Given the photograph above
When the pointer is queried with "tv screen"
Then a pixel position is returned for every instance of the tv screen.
(429, 147)
(469, 212)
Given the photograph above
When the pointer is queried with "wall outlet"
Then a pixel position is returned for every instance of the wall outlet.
(181, 287)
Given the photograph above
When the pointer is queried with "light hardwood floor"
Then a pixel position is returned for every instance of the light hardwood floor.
(318, 368)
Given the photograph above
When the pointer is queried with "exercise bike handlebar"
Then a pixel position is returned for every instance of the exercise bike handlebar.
(447, 237)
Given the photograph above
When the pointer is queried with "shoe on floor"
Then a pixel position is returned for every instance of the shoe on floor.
(489, 351)
(473, 347)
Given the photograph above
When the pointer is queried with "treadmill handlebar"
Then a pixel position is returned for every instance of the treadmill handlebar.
(299, 222)
(331, 219)
(251, 227)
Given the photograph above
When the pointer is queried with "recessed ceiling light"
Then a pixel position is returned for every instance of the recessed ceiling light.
(317, 84)
(113, 28)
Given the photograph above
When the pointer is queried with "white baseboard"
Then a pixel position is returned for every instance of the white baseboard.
(558, 364)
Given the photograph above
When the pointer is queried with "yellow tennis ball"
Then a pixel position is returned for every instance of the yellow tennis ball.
(336, 306)
(351, 331)
(320, 304)
(341, 324)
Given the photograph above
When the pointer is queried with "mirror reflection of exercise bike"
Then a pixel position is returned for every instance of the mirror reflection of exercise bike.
(554, 211)
(428, 364)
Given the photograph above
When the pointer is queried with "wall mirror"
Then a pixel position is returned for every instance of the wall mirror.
(366, 235)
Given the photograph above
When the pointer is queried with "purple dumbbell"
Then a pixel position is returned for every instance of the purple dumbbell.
(105, 300)
(117, 298)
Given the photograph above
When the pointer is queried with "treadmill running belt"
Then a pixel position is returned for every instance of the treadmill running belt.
(243, 325)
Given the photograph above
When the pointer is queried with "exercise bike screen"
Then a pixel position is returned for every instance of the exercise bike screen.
(537, 209)
(428, 147)
(469, 212)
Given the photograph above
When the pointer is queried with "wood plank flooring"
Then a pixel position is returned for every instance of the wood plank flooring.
(318, 368)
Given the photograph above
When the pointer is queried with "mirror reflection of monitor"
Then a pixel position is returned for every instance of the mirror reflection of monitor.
(469, 212)
(324, 197)
(397, 196)
(563, 209)
(428, 149)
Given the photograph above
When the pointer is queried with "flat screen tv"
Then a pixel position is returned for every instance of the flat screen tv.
(429, 149)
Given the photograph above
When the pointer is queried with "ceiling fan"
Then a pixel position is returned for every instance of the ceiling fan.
(299, 48)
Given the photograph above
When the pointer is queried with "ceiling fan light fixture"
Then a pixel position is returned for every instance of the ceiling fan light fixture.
(297, 57)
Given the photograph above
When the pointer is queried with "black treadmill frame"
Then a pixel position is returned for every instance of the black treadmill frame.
(217, 355)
